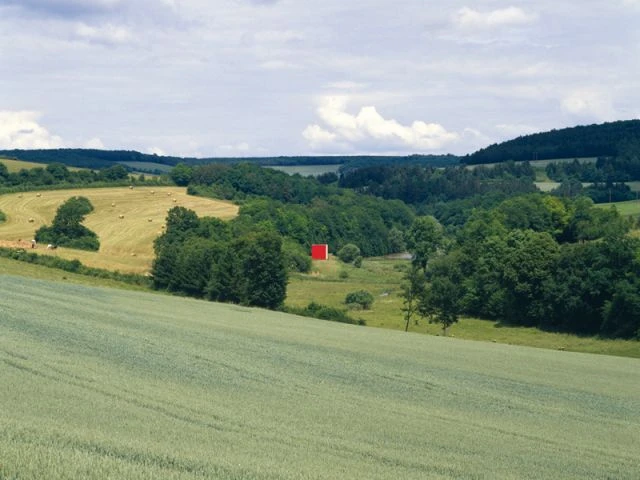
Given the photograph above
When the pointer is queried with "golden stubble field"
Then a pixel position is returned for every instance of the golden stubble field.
(126, 221)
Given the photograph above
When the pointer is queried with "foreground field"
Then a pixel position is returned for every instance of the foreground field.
(127, 242)
(100, 383)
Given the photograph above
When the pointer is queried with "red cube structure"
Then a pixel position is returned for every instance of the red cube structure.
(320, 251)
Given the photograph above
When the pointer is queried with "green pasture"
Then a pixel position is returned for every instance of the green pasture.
(307, 170)
(383, 278)
(102, 383)
(628, 208)
(17, 165)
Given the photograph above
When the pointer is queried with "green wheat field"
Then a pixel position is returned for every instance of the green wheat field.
(101, 383)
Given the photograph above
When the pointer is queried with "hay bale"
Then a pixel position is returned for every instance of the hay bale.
(149, 219)
(133, 254)
(153, 192)
(130, 187)
(31, 220)
(113, 204)
(168, 194)
(175, 200)
(38, 195)
(120, 216)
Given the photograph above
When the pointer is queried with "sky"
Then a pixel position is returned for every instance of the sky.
(238, 78)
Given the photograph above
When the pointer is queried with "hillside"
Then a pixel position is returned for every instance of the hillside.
(575, 142)
(99, 383)
(91, 158)
(127, 242)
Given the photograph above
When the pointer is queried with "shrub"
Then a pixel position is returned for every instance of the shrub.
(325, 312)
(296, 258)
(3, 217)
(357, 262)
(359, 299)
(343, 274)
(349, 253)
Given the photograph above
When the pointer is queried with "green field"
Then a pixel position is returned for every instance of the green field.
(102, 383)
(629, 208)
(306, 170)
(17, 165)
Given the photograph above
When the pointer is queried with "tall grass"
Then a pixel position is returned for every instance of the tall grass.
(99, 383)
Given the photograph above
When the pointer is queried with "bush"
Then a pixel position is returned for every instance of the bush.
(349, 253)
(343, 274)
(324, 312)
(296, 258)
(3, 217)
(359, 299)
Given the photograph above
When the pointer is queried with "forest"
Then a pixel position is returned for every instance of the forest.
(603, 140)
(521, 257)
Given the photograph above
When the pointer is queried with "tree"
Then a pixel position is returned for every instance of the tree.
(413, 289)
(424, 238)
(67, 230)
(360, 299)
(441, 299)
(349, 253)
(181, 174)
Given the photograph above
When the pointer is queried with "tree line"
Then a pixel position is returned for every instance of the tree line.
(603, 140)
(535, 260)
(221, 261)
(58, 174)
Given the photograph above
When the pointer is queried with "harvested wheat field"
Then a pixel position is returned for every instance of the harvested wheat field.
(126, 221)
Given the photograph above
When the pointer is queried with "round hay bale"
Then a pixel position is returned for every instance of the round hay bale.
(168, 194)
(175, 200)
(130, 187)
(31, 220)
(133, 254)
(120, 216)
(38, 195)
(20, 196)
(149, 219)
(113, 204)
(153, 192)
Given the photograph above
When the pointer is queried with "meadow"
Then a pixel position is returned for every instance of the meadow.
(126, 221)
(306, 170)
(17, 165)
(382, 277)
(102, 383)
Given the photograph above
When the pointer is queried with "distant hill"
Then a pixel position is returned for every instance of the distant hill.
(92, 158)
(576, 142)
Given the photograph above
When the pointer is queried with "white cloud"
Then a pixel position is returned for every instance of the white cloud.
(108, 34)
(370, 131)
(95, 143)
(346, 85)
(470, 19)
(589, 102)
(515, 130)
(21, 130)
(66, 7)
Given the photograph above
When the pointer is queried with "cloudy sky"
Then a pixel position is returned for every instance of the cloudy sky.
(294, 77)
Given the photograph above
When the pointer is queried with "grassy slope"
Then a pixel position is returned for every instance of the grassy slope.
(120, 239)
(101, 383)
(382, 278)
(17, 165)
